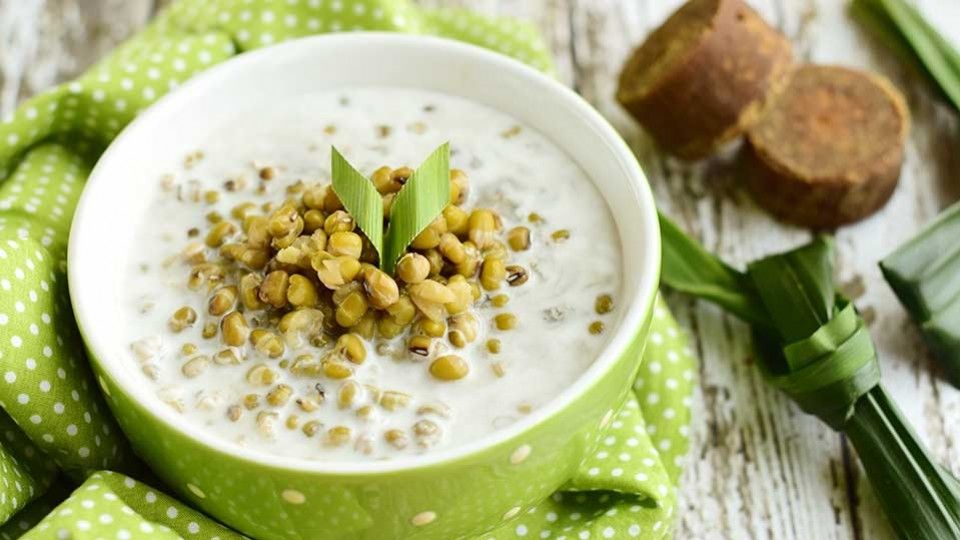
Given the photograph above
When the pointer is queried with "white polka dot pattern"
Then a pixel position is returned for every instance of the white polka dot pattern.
(47, 388)
(116, 506)
(51, 416)
(625, 487)
(24, 471)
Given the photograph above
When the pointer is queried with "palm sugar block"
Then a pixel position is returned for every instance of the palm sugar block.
(829, 150)
(704, 76)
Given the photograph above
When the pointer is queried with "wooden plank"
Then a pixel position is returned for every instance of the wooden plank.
(760, 468)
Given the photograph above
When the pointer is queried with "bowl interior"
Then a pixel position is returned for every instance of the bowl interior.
(125, 179)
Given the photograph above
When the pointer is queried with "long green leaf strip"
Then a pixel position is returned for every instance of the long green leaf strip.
(419, 203)
(936, 54)
(814, 346)
(694, 271)
(360, 198)
(925, 275)
(824, 358)
(938, 57)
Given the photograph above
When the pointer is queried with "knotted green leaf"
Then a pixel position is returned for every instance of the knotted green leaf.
(824, 358)
(796, 288)
(814, 346)
(921, 500)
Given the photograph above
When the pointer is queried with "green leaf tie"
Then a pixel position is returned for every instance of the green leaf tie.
(359, 197)
(812, 345)
(831, 369)
(420, 201)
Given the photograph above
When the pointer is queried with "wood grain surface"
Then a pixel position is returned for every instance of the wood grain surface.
(759, 467)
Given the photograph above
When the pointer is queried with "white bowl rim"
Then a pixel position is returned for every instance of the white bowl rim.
(95, 337)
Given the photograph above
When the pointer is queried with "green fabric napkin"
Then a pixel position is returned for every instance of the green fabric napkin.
(55, 431)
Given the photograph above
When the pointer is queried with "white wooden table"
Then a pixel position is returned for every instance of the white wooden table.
(759, 468)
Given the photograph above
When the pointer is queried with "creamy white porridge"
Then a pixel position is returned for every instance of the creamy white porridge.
(533, 322)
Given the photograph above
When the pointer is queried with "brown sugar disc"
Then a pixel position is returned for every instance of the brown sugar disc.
(829, 150)
(704, 76)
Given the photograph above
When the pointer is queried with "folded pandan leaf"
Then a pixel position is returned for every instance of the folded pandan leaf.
(813, 345)
(420, 201)
(925, 275)
(359, 197)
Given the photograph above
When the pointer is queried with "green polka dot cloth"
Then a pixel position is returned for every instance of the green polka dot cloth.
(66, 470)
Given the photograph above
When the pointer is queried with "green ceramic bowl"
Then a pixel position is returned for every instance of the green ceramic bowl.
(446, 494)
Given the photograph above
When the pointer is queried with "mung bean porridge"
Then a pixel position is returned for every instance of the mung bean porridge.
(254, 308)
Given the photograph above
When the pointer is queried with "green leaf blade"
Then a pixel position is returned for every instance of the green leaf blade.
(817, 349)
(359, 197)
(872, 16)
(924, 273)
(797, 288)
(422, 199)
